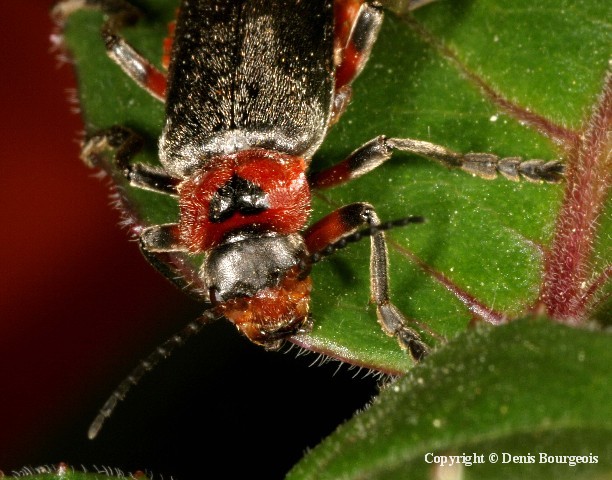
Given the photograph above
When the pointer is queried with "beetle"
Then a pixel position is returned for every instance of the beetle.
(251, 89)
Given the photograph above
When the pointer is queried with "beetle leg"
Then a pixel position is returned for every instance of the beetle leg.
(356, 29)
(161, 238)
(127, 144)
(119, 14)
(160, 244)
(485, 165)
(135, 65)
(341, 223)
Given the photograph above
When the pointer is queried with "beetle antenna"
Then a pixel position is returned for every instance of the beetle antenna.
(359, 234)
(146, 365)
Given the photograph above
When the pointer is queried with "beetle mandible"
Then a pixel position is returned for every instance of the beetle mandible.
(250, 91)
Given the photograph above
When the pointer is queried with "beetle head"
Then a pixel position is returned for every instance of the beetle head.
(260, 282)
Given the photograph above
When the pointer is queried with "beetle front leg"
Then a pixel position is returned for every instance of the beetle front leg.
(485, 165)
(160, 244)
(342, 223)
(126, 144)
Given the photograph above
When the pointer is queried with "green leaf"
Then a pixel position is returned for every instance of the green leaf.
(522, 389)
(522, 79)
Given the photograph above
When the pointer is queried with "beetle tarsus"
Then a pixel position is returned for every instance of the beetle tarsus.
(485, 165)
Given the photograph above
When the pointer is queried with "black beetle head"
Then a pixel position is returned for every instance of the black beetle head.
(247, 264)
(261, 284)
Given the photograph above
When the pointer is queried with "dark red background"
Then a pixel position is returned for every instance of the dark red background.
(79, 306)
